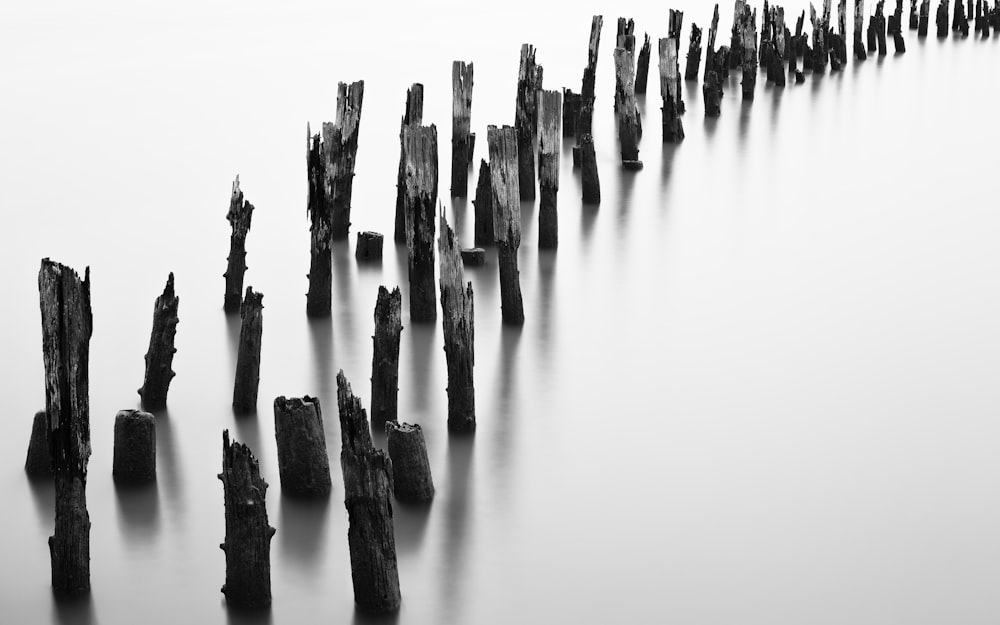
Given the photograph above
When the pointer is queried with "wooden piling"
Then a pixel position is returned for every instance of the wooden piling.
(550, 107)
(458, 324)
(817, 60)
(736, 41)
(589, 178)
(748, 26)
(941, 19)
(319, 209)
(642, 66)
(160, 355)
(529, 83)
(675, 26)
(585, 112)
(878, 22)
(134, 460)
(420, 146)
(248, 355)
(461, 136)
(385, 356)
(39, 460)
(411, 470)
(694, 54)
(369, 246)
(914, 16)
(340, 141)
(710, 52)
(673, 128)
(484, 206)
(859, 23)
(413, 114)
(67, 325)
(303, 464)
(925, 18)
(776, 67)
(248, 534)
(367, 486)
(628, 112)
(507, 216)
(240, 212)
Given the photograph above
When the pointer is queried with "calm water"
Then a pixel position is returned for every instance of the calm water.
(757, 384)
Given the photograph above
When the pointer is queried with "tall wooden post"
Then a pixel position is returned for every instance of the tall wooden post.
(385, 356)
(412, 115)
(642, 66)
(319, 209)
(160, 356)
(461, 137)
(673, 128)
(589, 177)
(628, 111)
(484, 206)
(694, 54)
(240, 212)
(548, 169)
(506, 219)
(458, 323)
(421, 149)
(748, 26)
(341, 142)
(529, 83)
(248, 354)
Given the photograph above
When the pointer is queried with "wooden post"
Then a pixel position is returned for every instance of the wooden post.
(303, 464)
(318, 299)
(160, 355)
(587, 91)
(529, 83)
(385, 356)
(736, 41)
(589, 177)
(711, 62)
(412, 115)
(458, 324)
(367, 483)
(941, 19)
(421, 149)
(411, 470)
(694, 54)
(859, 22)
(673, 128)
(248, 356)
(484, 206)
(507, 217)
(39, 460)
(712, 92)
(67, 325)
(369, 246)
(248, 535)
(840, 41)
(878, 20)
(340, 141)
(134, 447)
(571, 110)
(628, 112)
(914, 16)
(548, 169)
(925, 18)
(675, 26)
(461, 137)
(748, 25)
(642, 66)
(817, 60)
(240, 212)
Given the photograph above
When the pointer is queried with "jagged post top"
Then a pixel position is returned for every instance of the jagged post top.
(391, 298)
(414, 113)
(349, 101)
(421, 140)
(240, 211)
(251, 299)
(233, 451)
(355, 435)
(168, 290)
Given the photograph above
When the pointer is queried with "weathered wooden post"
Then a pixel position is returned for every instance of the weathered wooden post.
(642, 66)
(458, 323)
(589, 178)
(369, 246)
(748, 24)
(628, 112)
(550, 107)
(248, 535)
(878, 20)
(673, 128)
(587, 90)
(160, 355)
(318, 299)
(925, 18)
(240, 212)
(134, 458)
(529, 83)
(714, 63)
(367, 483)
(461, 136)
(941, 19)
(675, 27)
(507, 218)
(67, 324)
(248, 354)
(484, 206)
(859, 22)
(39, 460)
(412, 115)
(421, 148)
(411, 470)
(710, 53)
(914, 16)
(817, 60)
(340, 140)
(736, 40)
(385, 356)
(694, 54)
(303, 464)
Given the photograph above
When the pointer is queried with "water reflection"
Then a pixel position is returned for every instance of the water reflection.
(528, 220)
(710, 124)
(75, 611)
(668, 152)
(546, 277)
(302, 539)
(248, 432)
(363, 618)
(139, 513)
(459, 208)
(43, 494)
(457, 524)
(421, 344)
(168, 465)
(233, 325)
(410, 525)
(743, 129)
(240, 616)
(506, 407)
(321, 340)
(343, 302)
(588, 216)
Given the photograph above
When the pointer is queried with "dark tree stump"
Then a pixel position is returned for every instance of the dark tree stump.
(484, 206)
(412, 115)
(411, 470)
(713, 60)
(135, 447)
(736, 38)
(859, 22)
(39, 460)
(925, 18)
(474, 257)
(67, 324)
(506, 219)
(588, 171)
(160, 355)
(385, 356)
(458, 324)
(303, 464)
(712, 93)
(461, 113)
(248, 354)
(673, 128)
(340, 140)
(628, 111)
(548, 169)
(367, 484)
(571, 110)
(941, 19)
(420, 147)
(694, 54)
(248, 535)
(817, 60)
(318, 299)
(239, 215)
(642, 66)
(878, 23)
(369, 246)
(529, 83)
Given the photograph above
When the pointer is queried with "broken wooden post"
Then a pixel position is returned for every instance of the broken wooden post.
(960, 23)
(484, 206)
(712, 92)
(748, 25)
(550, 107)
(160, 355)
(134, 447)
(642, 66)
(571, 110)
(941, 19)
(589, 178)
(240, 212)
(461, 137)
(421, 148)
(385, 356)
(925, 18)
(303, 464)
(412, 115)
(776, 68)
(529, 83)
(39, 460)
(248, 535)
(859, 22)
(367, 483)
(628, 112)
(585, 112)
(673, 128)
(248, 355)
(840, 39)
(318, 299)
(458, 324)
(737, 38)
(340, 142)
(878, 22)
(711, 55)
(369, 246)
(507, 215)
(411, 470)
(694, 54)
(914, 16)
(67, 324)
(473, 257)
(817, 60)
(715, 61)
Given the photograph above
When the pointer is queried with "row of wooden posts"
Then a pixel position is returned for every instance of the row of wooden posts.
(60, 439)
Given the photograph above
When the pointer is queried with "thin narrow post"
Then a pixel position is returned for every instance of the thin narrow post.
(458, 323)
(484, 206)
(319, 209)
(642, 66)
(587, 90)
(421, 149)
(673, 128)
(507, 218)
(461, 137)
(675, 25)
(412, 115)
(859, 23)
(341, 142)
(548, 169)
(303, 464)
(748, 25)
(589, 178)
(694, 54)
(529, 83)
(240, 212)
(385, 356)
(160, 355)
(248, 355)
(628, 111)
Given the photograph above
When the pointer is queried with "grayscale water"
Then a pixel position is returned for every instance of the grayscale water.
(756, 385)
